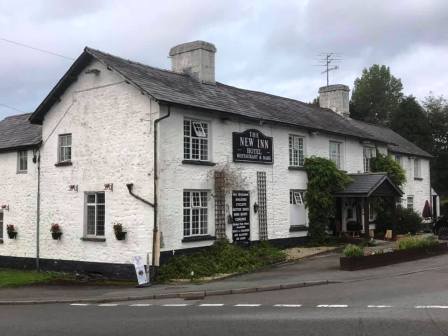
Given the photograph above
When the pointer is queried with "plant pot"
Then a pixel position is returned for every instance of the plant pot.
(12, 234)
(56, 235)
(120, 235)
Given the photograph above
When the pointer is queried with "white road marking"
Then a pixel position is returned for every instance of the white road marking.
(211, 305)
(80, 304)
(378, 306)
(108, 305)
(140, 305)
(175, 305)
(248, 305)
(431, 307)
(332, 306)
(288, 305)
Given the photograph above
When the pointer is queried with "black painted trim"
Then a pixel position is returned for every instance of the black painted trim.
(197, 238)
(418, 178)
(63, 164)
(93, 239)
(298, 228)
(199, 163)
(296, 168)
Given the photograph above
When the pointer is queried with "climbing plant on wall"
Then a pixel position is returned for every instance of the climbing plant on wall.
(324, 179)
(385, 163)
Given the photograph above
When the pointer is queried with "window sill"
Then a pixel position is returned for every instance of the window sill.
(93, 239)
(63, 164)
(199, 163)
(298, 228)
(197, 238)
(296, 168)
(22, 172)
(418, 178)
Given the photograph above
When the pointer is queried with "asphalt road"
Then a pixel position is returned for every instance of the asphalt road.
(413, 304)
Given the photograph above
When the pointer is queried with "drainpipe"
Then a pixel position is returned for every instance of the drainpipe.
(37, 160)
(156, 235)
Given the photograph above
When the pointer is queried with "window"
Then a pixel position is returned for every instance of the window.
(22, 161)
(1, 224)
(398, 159)
(195, 140)
(335, 153)
(195, 213)
(95, 214)
(65, 148)
(417, 168)
(296, 151)
(369, 153)
(410, 202)
(371, 213)
(297, 211)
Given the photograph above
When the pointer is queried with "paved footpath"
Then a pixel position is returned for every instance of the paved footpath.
(315, 270)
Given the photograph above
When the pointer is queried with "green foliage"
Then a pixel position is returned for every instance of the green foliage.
(416, 242)
(352, 250)
(411, 122)
(401, 221)
(221, 258)
(375, 95)
(16, 278)
(324, 179)
(385, 163)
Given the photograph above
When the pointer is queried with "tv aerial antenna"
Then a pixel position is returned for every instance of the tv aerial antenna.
(328, 60)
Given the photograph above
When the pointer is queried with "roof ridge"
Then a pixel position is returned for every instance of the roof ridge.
(17, 115)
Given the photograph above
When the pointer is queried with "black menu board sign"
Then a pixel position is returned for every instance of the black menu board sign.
(241, 216)
(252, 146)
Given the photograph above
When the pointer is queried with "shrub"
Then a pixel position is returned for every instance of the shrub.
(221, 258)
(352, 250)
(401, 221)
(385, 163)
(416, 242)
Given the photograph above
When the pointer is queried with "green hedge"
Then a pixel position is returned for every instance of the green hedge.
(416, 242)
(353, 251)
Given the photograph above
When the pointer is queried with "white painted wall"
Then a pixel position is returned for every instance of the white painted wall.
(19, 192)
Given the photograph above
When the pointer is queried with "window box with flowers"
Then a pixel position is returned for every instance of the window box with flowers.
(119, 233)
(56, 231)
(11, 230)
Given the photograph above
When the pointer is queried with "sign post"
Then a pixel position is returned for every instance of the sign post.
(140, 271)
(241, 216)
(252, 146)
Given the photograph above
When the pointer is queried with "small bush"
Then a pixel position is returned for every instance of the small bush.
(416, 242)
(221, 258)
(353, 251)
(402, 221)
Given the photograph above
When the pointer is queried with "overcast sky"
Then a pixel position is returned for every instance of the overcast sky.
(270, 46)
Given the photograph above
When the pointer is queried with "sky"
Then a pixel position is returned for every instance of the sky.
(270, 46)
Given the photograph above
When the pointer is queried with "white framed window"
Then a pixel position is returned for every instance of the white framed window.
(417, 168)
(410, 202)
(297, 210)
(336, 153)
(195, 204)
(368, 154)
(398, 159)
(196, 140)
(372, 214)
(1, 224)
(65, 148)
(95, 208)
(22, 161)
(296, 151)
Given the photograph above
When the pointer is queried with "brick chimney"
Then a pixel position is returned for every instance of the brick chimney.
(196, 59)
(335, 97)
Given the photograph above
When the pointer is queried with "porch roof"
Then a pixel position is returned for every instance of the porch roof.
(370, 184)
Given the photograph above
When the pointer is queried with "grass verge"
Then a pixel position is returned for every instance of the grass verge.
(17, 278)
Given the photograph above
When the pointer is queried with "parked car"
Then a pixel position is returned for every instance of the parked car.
(440, 227)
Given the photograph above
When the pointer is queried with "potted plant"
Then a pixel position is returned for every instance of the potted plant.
(56, 232)
(12, 233)
(119, 233)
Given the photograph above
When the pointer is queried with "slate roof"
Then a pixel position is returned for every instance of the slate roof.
(171, 87)
(363, 185)
(17, 132)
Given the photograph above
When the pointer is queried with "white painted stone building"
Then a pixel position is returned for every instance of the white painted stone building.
(161, 152)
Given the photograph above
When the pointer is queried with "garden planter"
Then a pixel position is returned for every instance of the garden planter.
(56, 235)
(120, 235)
(389, 258)
(12, 234)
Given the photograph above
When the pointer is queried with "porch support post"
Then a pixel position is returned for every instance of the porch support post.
(366, 217)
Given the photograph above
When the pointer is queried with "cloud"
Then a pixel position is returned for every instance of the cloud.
(262, 45)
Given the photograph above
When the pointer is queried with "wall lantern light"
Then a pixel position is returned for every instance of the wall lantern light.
(256, 207)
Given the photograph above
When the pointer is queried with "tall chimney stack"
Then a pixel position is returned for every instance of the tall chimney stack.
(196, 59)
(335, 97)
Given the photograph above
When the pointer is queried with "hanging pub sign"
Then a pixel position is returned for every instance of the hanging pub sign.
(252, 146)
(241, 216)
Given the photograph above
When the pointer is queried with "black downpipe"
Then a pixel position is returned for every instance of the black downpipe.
(130, 186)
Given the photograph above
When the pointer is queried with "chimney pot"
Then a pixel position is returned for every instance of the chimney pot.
(335, 97)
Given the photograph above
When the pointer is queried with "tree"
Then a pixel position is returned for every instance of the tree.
(385, 163)
(412, 123)
(376, 95)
